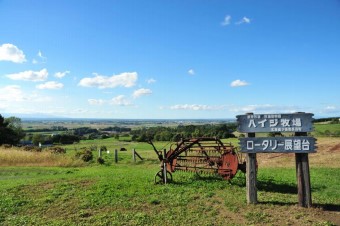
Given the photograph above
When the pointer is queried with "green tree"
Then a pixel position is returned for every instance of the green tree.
(16, 125)
(38, 138)
(8, 135)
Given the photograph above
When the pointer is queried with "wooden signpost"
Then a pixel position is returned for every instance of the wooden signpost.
(300, 144)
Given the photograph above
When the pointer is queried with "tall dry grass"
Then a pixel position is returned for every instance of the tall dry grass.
(18, 157)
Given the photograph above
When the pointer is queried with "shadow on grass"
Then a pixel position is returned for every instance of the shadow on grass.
(325, 207)
(274, 186)
(328, 207)
(278, 203)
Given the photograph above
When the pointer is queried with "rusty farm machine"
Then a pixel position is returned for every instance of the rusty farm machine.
(200, 155)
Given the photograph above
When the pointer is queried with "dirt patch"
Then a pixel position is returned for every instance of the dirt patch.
(327, 155)
(335, 148)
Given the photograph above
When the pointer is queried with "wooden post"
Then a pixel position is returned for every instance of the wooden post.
(133, 155)
(116, 155)
(100, 153)
(136, 154)
(251, 176)
(303, 177)
(164, 167)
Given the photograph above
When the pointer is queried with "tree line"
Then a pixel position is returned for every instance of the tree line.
(161, 133)
(10, 130)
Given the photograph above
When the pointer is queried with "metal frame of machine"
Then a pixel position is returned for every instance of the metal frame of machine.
(200, 155)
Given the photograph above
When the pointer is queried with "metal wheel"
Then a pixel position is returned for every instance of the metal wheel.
(159, 177)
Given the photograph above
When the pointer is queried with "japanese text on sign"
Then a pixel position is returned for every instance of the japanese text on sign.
(278, 144)
(299, 122)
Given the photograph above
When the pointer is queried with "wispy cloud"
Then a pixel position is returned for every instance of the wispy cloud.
(151, 80)
(331, 109)
(265, 108)
(120, 100)
(61, 74)
(191, 72)
(226, 21)
(238, 83)
(42, 59)
(34, 76)
(244, 20)
(95, 101)
(126, 79)
(9, 52)
(12, 93)
(141, 92)
(50, 85)
(195, 107)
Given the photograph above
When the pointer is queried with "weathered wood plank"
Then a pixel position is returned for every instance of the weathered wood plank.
(260, 123)
(296, 144)
(251, 176)
(303, 177)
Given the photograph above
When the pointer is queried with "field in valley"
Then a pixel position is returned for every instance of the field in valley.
(48, 189)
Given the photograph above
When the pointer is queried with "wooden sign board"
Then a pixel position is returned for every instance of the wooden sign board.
(261, 123)
(298, 144)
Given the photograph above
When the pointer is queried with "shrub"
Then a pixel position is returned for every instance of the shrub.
(100, 160)
(57, 150)
(103, 148)
(93, 147)
(32, 149)
(86, 155)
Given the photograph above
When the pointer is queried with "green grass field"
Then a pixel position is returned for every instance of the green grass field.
(327, 130)
(124, 193)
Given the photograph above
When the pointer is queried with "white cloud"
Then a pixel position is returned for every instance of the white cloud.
(126, 79)
(141, 92)
(226, 20)
(50, 85)
(35, 97)
(120, 100)
(34, 76)
(40, 54)
(151, 80)
(195, 107)
(238, 83)
(9, 52)
(95, 101)
(191, 72)
(12, 93)
(61, 74)
(265, 109)
(41, 57)
(244, 20)
(331, 109)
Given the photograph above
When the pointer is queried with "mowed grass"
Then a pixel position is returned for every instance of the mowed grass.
(124, 193)
(326, 129)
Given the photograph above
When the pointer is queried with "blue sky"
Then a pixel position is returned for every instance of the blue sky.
(169, 59)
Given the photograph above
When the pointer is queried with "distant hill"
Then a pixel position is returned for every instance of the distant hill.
(32, 116)
(330, 119)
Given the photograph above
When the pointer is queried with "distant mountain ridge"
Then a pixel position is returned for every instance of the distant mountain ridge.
(32, 116)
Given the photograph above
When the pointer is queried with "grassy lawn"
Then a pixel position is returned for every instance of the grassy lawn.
(326, 129)
(125, 193)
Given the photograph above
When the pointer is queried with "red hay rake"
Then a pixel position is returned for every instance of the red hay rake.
(200, 155)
